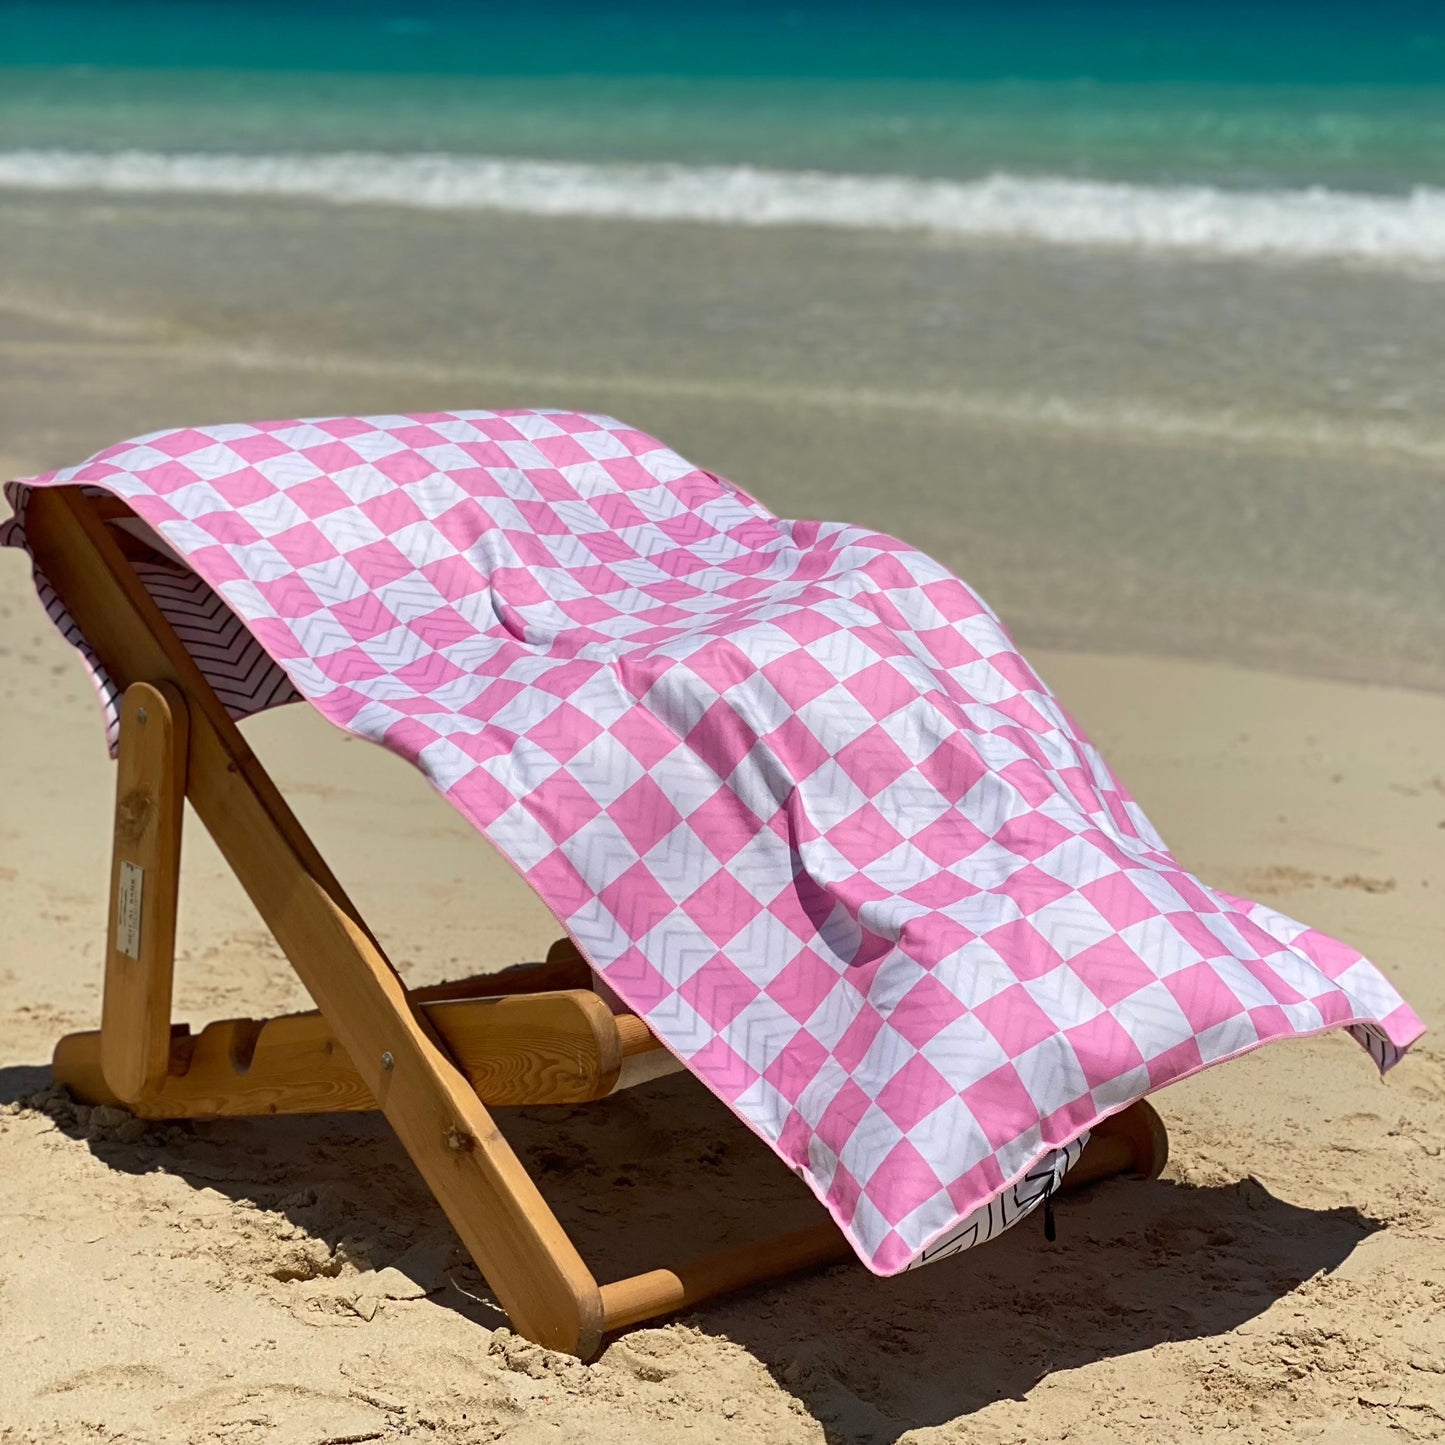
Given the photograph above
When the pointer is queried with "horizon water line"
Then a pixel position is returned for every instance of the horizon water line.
(1314, 224)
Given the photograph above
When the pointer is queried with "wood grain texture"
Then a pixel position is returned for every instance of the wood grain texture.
(562, 1047)
(1133, 1141)
(150, 796)
(643, 1057)
(537, 1275)
(663, 1291)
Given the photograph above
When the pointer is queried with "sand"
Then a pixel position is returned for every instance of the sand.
(292, 1282)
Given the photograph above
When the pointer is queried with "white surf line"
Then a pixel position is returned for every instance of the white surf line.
(1102, 419)
(1302, 224)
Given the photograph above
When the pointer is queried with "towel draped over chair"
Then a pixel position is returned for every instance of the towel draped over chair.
(788, 785)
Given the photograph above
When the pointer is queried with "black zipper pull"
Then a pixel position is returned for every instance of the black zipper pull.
(1050, 1233)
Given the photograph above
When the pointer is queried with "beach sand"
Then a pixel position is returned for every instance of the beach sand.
(1207, 500)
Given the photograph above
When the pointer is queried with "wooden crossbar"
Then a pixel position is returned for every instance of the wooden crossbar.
(431, 1060)
(561, 1047)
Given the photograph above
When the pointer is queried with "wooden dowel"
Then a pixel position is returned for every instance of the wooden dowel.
(1102, 1159)
(1128, 1143)
(663, 1291)
(1133, 1141)
(635, 1036)
(643, 1057)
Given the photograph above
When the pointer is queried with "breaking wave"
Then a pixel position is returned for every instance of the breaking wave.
(1314, 224)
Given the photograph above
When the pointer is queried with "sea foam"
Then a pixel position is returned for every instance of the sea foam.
(1310, 224)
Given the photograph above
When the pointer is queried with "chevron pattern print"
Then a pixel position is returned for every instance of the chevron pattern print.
(1007, 1207)
(245, 677)
(789, 785)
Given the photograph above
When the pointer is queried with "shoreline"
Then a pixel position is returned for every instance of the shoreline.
(1402, 232)
(1228, 461)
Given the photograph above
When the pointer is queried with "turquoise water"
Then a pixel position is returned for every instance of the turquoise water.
(1267, 96)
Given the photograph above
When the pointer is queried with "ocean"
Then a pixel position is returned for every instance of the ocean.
(1285, 129)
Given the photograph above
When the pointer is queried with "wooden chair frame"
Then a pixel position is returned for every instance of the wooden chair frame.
(431, 1059)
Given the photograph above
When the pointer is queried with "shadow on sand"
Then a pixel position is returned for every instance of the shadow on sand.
(662, 1173)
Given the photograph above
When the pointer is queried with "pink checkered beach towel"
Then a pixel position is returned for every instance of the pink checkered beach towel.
(789, 786)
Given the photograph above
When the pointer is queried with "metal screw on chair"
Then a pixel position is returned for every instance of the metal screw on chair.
(140, 715)
(387, 1062)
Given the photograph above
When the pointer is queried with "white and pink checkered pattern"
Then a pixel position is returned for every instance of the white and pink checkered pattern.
(789, 786)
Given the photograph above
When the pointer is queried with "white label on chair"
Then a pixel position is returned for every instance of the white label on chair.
(127, 912)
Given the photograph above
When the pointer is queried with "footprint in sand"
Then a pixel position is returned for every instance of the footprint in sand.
(108, 1378)
(1280, 878)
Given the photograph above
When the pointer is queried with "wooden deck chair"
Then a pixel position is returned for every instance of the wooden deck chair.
(433, 1060)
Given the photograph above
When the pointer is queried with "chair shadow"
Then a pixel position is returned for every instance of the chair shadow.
(664, 1173)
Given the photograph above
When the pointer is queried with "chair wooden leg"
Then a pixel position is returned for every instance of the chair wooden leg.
(150, 795)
